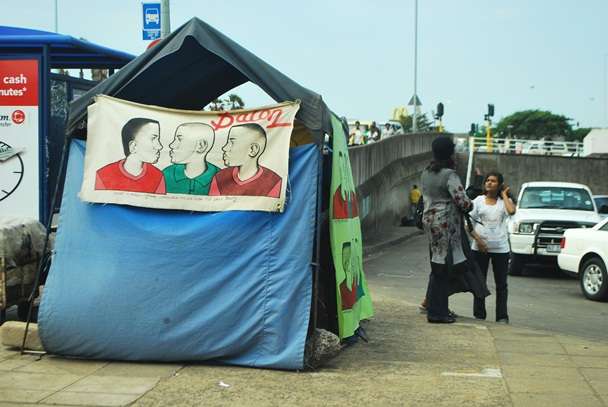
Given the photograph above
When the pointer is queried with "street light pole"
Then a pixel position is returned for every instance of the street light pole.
(165, 19)
(56, 17)
(605, 94)
(415, 116)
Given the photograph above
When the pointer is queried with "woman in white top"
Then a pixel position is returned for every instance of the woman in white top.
(490, 213)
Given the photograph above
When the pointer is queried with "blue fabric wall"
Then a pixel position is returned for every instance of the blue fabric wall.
(130, 283)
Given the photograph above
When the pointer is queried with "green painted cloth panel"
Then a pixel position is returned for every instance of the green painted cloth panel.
(353, 298)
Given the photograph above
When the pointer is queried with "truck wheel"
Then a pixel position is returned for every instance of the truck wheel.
(516, 265)
(594, 279)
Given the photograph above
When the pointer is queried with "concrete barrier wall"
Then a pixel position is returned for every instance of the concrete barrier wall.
(518, 169)
(384, 173)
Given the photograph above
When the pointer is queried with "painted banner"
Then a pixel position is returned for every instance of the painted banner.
(354, 301)
(19, 143)
(162, 158)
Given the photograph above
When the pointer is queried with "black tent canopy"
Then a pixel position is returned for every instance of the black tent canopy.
(193, 66)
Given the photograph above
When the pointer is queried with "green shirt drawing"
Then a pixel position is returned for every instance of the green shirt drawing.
(178, 183)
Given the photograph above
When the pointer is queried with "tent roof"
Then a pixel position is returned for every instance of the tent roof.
(64, 51)
(190, 68)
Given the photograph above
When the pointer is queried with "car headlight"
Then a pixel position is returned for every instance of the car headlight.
(526, 228)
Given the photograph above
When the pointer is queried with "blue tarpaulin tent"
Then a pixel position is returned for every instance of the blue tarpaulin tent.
(240, 287)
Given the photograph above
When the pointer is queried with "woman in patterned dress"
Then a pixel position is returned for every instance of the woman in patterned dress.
(444, 202)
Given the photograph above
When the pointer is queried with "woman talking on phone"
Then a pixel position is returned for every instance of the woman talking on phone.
(490, 213)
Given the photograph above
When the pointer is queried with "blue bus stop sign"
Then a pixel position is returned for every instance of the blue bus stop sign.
(151, 21)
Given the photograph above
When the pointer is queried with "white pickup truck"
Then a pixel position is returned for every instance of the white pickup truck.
(544, 211)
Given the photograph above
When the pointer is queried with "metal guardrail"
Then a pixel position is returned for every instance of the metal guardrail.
(530, 147)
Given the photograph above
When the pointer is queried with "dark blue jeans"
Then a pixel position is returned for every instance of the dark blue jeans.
(500, 263)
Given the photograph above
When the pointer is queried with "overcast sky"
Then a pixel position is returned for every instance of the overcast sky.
(358, 54)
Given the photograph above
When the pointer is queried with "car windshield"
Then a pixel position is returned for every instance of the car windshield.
(556, 198)
(601, 200)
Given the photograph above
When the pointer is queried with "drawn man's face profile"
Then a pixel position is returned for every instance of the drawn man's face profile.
(191, 140)
(243, 145)
(146, 143)
(346, 260)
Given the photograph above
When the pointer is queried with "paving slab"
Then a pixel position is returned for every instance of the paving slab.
(598, 378)
(586, 349)
(527, 359)
(16, 362)
(29, 381)
(555, 400)
(58, 365)
(590, 361)
(22, 396)
(91, 399)
(138, 369)
(529, 347)
(113, 384)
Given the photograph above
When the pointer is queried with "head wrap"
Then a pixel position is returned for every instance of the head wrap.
(443, 148)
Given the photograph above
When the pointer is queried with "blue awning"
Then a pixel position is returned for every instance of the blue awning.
(64, 51)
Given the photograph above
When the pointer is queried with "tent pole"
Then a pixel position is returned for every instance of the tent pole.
(319, 220)
(45, 260)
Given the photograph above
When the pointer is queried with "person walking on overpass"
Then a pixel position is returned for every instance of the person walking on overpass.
(444, 202)
(415, 195)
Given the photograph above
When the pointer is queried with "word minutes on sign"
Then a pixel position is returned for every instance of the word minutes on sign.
(13, 92)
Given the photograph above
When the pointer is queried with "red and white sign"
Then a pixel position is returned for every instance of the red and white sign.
(19, 82)
(19, 102)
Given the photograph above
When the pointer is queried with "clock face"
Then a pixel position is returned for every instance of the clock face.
(11, 173)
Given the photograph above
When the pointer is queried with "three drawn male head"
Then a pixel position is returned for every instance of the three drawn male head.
(192, 142)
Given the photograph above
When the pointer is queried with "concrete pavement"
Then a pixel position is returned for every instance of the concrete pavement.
(407, 362)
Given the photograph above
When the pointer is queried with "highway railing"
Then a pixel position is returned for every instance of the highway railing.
(523, 146)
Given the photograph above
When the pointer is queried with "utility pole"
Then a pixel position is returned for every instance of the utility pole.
(56, 17)
(415, 116)
(488, 118)
(605, 94)
(165, 19)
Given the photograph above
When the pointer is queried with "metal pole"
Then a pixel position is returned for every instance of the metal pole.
(165, 19)
(489, 135)
(56, 17)
(470, 163)
(415, 116)
(605, 94)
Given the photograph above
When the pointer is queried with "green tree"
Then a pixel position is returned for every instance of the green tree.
(235, 101)
(579, 134)
(534, 124)
(216, 105)
(422, 121)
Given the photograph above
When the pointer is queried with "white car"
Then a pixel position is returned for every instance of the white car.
(585, 252)
(544, 211)
(601, 201)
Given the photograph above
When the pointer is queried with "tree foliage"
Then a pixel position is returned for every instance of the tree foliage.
(231, 102)
(422, 121)
(535, 124)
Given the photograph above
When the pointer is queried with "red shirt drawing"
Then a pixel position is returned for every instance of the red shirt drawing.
(345, 209)
(349, 297)
(264, 183)
(115, 177)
